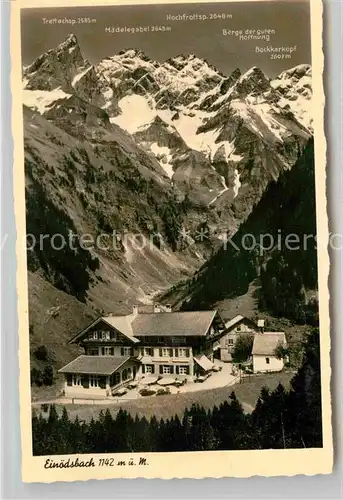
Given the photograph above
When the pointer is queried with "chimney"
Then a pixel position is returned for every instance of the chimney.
(168, 308)
(157, 308)
(135, 309)
(260, 324)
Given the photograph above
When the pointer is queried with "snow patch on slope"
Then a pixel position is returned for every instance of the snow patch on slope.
(218, 196)
(164, 157)
(80, 75)
(41, 100)
(237, 183)
(136, 112)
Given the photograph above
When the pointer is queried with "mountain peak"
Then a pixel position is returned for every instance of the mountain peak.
(70, 41)
(56, 67)
(134, 52)
(296, 72)
(254, 81)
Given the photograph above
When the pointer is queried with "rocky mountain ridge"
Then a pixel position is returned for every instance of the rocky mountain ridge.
(135, 146)
(242, 129)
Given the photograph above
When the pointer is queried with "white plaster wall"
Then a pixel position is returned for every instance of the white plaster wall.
(260, 365)
(77, 391)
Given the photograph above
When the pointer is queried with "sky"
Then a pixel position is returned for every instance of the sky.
(289, 19)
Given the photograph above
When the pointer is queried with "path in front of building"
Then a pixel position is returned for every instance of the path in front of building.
(219, 379)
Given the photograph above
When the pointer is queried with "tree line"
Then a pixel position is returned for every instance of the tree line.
(281, 419)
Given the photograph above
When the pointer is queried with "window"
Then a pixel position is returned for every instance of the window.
(103, 335)
(115, 379)
(94, 336)
(183, 370)
(76, 380)
(230, 341)
(93, 352)
(267, 361)
(166, 369)
(148, 368)
(126, 351)
(124, 375)
(94, 381)
(148, 351)
(107, 351)
(165, 352)
(184, 353)
(160, 340)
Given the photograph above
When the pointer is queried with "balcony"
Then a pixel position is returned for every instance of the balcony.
(103, 341)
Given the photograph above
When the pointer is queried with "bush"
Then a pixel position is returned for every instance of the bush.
(36, 377)
(41, 353)
(147, 392)
(163, 392)
(48, 375)
(243, 348)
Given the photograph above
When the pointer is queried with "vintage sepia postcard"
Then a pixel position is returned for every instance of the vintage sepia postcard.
(170, 169)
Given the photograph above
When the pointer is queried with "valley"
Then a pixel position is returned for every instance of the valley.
(158, 162)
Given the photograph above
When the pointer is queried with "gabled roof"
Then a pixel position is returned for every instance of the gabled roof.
(164, 324)
(159, 324)
(234, 321)
(97, 365)
(266, 343)
(120, 323)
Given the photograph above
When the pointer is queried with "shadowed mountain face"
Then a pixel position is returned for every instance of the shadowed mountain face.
(169, 150)
(283, 259)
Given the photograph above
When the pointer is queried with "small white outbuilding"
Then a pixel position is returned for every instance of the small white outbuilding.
(263, 352)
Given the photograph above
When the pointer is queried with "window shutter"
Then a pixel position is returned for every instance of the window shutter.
(161, 369)
(171, 369)
(103, 351)
(112, 351)
(187, 353)
(122, 352)
(131, 351)
(102, 382)
(69, 379)
(176, 353)
(176, 369)
(143, 368)
(85, 381)
(160, 352)
(171, 353)
(187, 370)
(153, 368)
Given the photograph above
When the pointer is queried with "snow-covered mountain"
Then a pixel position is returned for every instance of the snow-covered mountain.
(137, 146)
(208, 143)
(196, 121)
(295, 86)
